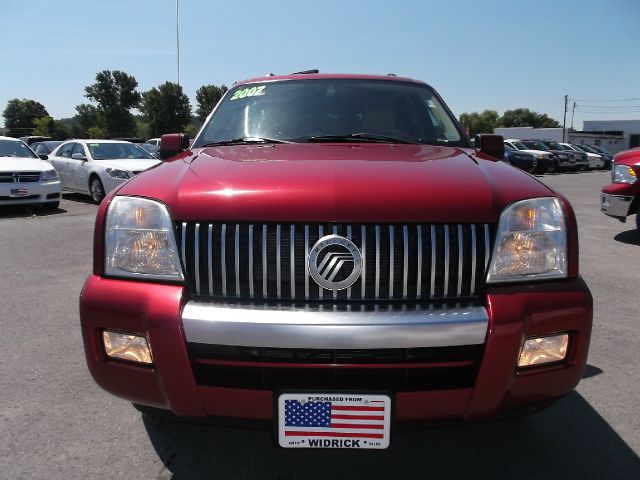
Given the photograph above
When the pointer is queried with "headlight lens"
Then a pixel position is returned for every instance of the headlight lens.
(531, 242)
(624, 174)
(117, 173)
(49, 175)
(139, 240)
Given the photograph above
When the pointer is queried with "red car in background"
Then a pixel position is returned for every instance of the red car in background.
(621, 197)
(331, 257)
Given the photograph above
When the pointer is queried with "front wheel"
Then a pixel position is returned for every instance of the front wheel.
(554, 167)
(97, 190)
(638, 222)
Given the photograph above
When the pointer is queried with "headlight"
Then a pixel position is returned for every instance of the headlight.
(540, 156)
(48, 175)
(139, 240)
(624, 174)
(531, 242)
(117, 173)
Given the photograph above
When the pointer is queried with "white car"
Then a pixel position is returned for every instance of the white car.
(96, 167)
(26, 178)
(595, 160)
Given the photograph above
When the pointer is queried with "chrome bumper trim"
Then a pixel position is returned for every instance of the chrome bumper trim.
(299, 327)
(615, 205)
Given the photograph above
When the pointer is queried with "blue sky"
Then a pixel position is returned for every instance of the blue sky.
(478, 54)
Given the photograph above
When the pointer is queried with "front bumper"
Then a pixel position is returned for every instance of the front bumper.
(164, 314)
(36, 192)
(615, 205)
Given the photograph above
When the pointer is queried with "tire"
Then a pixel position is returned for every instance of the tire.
(554, 167)
(96, 190)
(638, 222)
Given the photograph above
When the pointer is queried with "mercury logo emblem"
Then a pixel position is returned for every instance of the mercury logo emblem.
(335, 263)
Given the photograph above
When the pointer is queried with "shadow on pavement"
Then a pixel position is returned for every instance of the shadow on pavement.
(78, 197)
(630, 237)
(591, 371)
(569, 440)
(26, 211)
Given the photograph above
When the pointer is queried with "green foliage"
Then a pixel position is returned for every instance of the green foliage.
(207, 97)
(97, 132)
(115, 93)
(166, 109)
(523, 117)
(20, 114)
(190, 131)
(142, 128)
(43, 126)
(483, 122)
(86, 118)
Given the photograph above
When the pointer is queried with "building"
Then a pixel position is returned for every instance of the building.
(530, 133)
(612, 135)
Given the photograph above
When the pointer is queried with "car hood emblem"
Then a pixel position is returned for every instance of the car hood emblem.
(335, 263)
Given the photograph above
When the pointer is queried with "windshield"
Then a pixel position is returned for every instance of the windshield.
(555, 146)
(15, 148)
(117, 151)
(303, 110)
(586, 148)
(535, 145)
(520, 145)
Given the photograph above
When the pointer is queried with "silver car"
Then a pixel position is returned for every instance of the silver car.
(96, 167)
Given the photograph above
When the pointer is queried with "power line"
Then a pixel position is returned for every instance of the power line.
(609, 100)
(609, 106)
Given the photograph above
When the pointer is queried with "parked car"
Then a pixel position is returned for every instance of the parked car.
(96, 167)
(25, 178)
(151, 148)
(621, 198)
(153, 141)
(608, 157)
(596, 161)
(563, 160)
(523, 160)
(582, 159)
(30, 139)
(545, 159)
(333, 243)
(45, 148)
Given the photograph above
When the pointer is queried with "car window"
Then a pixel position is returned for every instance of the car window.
(303, 109)
(117, 151)
(78, 148)
(508, 147)
(65, 150)
(15, 148)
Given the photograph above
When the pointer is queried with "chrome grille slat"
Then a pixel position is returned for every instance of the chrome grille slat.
(435, 261)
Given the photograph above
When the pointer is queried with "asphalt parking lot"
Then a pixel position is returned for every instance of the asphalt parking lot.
(58, 424)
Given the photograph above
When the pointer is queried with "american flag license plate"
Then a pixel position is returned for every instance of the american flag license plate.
(19, 192)
(334, 420)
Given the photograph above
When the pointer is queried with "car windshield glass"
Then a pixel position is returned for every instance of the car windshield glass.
(508, 148)
(340, 110)
(586, 148)
(14, 148)
(117, 151)
(555, 146)
(520, 145)
(536, 146)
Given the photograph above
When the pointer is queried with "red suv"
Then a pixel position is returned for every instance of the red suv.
(621, 198)
(332, 257)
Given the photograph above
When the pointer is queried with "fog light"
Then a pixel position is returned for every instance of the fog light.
(124, 346)
(540, 350)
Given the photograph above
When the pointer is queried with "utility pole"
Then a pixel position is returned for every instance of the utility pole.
(564, 122)
(178, 38)
(573, 110)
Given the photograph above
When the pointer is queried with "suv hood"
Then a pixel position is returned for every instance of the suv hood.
(335, 183)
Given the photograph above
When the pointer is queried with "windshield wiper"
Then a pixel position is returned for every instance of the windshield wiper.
(359, 137)
(243, 141)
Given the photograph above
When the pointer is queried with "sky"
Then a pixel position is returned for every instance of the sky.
(478, 55)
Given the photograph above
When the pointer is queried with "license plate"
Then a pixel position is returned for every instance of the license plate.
(334, 420)
(19, 192)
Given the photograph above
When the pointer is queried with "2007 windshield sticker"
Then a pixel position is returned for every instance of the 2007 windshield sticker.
(249, 92)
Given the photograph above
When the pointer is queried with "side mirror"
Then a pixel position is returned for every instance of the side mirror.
(43, 156)
(492, 145)
(172, 144)
(78, 156)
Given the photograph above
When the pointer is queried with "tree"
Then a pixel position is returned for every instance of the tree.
(115, 93)
(19, 115)
(166, 108)
(483, 122)
(523, 117)
(87, 117)
(43, 126)
(207, 97)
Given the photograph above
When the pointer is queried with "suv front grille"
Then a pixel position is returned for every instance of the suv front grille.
(19, 177)
(270, 261)
(393, 370)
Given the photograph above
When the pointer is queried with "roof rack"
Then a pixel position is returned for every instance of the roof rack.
(306, 72)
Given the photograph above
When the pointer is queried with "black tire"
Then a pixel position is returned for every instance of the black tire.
(554, 167)
(638, 222)
(96, 190)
